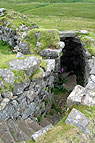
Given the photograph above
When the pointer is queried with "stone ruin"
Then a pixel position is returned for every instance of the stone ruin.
(20, 107)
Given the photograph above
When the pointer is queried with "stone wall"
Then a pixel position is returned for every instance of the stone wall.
(75, 58)
(30, 98)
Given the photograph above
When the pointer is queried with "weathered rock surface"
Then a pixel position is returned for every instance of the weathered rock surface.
(29, 65)
(61, 44)
(37, 134)
(7, 75)
(50, 53)
(65, 34)
(20, 87)
(81, 95)
(78, 119)
(50, 65)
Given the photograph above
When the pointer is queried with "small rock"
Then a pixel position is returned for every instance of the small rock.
(38, 44)
(83, 32)
(4, 103)
(19, 55)
(38, 35)
(61, 44)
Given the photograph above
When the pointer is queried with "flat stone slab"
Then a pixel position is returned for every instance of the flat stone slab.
(39, 133)
(64, 34)
(29, 65)
(50, 53)
(79, 120)
(81, 95)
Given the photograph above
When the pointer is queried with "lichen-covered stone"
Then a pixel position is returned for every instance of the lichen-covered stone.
(78, 119)
(37, 134)
(50, 53)
(29, 65)
(7, 75)
(81, 95)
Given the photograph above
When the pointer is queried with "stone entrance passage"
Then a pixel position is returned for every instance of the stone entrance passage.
(73, 58)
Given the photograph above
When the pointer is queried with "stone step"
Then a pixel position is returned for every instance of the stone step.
(54, 119)
(25, 128)
(44, 122)
(5, 135)
(33, 125)
(16, 131)
(39, 133)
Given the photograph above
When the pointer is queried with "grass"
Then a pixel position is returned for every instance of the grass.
(64, 16)
(65, 133)
(48, 38)
(6, 54)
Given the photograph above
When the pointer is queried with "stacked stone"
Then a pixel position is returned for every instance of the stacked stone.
(54, 56)
(15, 36)
(30, 98)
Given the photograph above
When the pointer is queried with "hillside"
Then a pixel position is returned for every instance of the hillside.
(66, 16)
(47, 1)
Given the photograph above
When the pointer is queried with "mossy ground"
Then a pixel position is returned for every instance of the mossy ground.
(15, 20)
(48, 39)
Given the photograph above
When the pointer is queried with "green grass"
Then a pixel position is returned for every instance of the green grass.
(64, 16)
(6, 54)
(48, 39)
(64, 133)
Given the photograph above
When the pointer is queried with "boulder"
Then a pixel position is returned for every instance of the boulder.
(79, 120)
(81, 95)
(29, 65)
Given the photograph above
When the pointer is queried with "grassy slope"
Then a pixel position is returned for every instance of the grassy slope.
(68, 16)
(48, 1)
(66, 133)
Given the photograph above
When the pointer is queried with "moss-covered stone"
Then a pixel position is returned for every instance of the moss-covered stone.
(20, 76)
(89, 44)
(38, 74)
(48, 39)
(14, 20)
